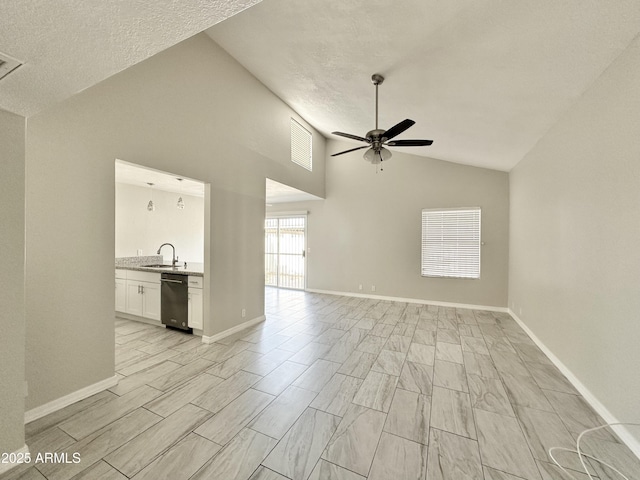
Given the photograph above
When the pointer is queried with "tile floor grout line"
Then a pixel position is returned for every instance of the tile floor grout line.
(313, 316)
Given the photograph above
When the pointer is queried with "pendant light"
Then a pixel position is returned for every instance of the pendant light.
(150, 206)
(180, 203)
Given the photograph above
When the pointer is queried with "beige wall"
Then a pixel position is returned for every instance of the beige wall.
(12, 185)
(575, 238)
(191, 110)
(368, 230)
(137, 228)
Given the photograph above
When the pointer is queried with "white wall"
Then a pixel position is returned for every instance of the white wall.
(191, 110)
(138, 228)
(368, 230)
(574, 275)
(12, 337)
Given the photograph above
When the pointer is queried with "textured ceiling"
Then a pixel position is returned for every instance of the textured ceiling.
(67, 46)
(485, 79)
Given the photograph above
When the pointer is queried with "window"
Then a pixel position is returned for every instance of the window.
(300, 145)
(451, 242)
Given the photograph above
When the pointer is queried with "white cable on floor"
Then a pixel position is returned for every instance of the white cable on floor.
(582, 454)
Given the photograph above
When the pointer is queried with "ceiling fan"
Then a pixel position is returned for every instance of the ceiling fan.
(377, 139)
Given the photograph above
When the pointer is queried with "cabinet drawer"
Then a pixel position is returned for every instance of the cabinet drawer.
(195, 282)
(150, 277)
(121, 274)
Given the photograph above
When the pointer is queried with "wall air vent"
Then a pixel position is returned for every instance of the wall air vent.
(7, 65)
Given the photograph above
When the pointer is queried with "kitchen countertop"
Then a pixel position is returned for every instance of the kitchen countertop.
(195, 269)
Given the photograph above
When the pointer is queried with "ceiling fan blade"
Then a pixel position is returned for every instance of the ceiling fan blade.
(348, 135)
(398, 129)
(350, 150)
(409, 143)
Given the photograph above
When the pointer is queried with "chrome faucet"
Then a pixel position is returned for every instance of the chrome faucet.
(174, 259)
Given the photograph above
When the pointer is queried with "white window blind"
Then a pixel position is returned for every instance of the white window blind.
(451, 242)
(300, 145)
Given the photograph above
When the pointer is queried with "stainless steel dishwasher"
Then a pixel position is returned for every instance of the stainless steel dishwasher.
(174, 310)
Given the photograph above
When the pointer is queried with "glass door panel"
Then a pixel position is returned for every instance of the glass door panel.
(285, 252)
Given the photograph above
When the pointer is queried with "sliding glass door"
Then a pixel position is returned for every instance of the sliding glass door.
(284, 248)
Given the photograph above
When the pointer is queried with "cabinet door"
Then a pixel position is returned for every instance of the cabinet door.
(134, 298)
(195, 308)
(121, 295)
(150, 300)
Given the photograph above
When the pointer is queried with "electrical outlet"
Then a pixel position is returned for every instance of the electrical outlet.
(244, 312)
(139, 252)
(373, 288)
(360, 287)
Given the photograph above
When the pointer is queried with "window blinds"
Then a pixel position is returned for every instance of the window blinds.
(451, 243)
(300, 145)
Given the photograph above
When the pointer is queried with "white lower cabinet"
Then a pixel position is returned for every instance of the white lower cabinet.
(141, 293)
(195, 315)
(134, 299)
(121, 294)
(151, 303)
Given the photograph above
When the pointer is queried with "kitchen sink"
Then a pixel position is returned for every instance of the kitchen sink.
(158, 266)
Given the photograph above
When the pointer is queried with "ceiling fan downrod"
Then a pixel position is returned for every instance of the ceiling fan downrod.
(377, 79)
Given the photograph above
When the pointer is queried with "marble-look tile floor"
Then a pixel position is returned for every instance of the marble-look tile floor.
(329, 388)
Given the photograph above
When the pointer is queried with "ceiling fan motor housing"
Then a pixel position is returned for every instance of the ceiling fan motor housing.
(376, 138)
(375, 134)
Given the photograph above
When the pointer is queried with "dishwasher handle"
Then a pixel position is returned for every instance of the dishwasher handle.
(171, 281)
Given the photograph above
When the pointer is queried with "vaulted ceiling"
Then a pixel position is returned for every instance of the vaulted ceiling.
(485, 79)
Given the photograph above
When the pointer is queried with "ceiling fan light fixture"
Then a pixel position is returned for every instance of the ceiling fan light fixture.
(374, 157)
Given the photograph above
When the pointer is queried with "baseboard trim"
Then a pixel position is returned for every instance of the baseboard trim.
(409, 300)
(232, 330)
(136, 318)
(5, 467)
(623, 433)
(55, 405)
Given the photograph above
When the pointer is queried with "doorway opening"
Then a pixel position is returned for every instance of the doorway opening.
(161, 239)
(285, 251)
(285, 235)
